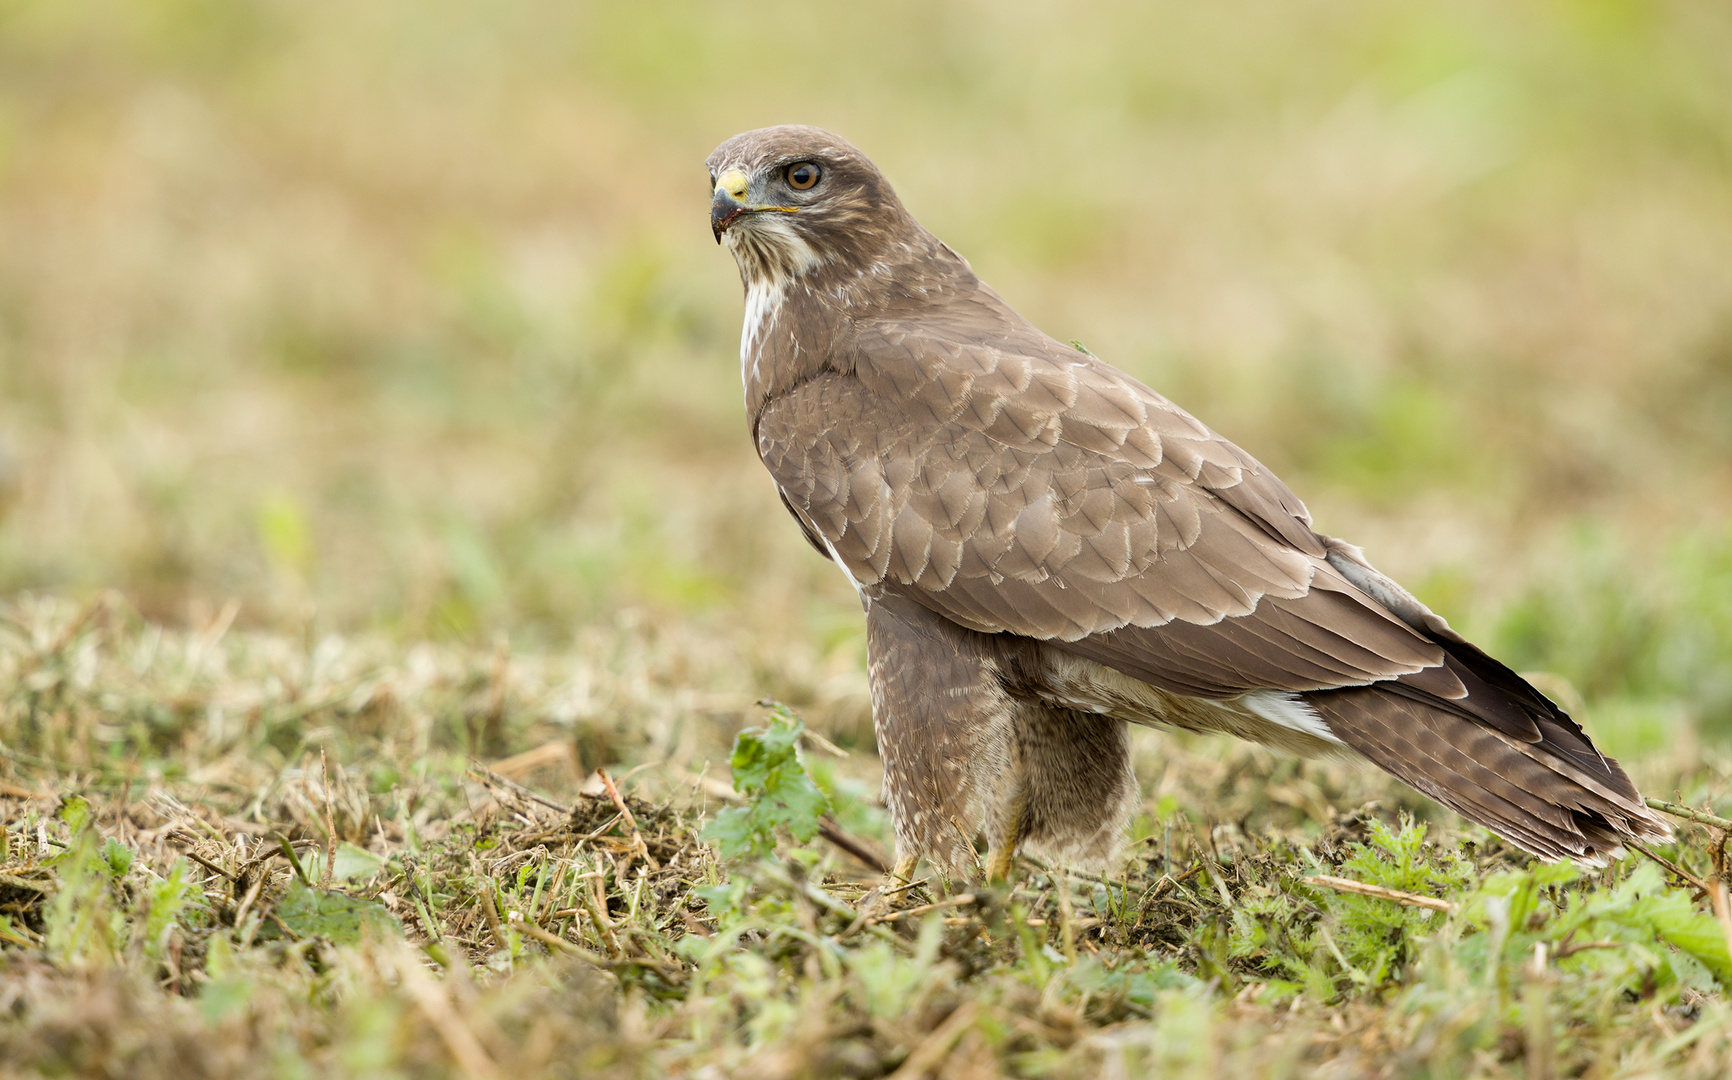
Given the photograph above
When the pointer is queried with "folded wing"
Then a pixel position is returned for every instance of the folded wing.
(1017, 486)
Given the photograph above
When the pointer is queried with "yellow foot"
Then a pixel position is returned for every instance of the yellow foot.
(1000, 863)
(903, 872)
(892, 889)
(1001, 853)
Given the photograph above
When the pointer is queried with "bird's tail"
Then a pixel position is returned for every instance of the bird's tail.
(1502, 755)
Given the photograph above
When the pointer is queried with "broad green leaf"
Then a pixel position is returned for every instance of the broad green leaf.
(1696, 933)
(768, 772)
(117, 857)
(353, 863)
(338, 918)
(1644, 903)
(732, 832)
(75, 811)
(222, 999)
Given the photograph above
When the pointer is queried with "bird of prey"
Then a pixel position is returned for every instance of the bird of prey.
(1047, 549)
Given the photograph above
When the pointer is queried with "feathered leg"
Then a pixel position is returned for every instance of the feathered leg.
(1071, 787)
(963, 750)
(943, 720)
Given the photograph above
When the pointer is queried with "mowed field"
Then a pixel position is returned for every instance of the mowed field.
(386, 572)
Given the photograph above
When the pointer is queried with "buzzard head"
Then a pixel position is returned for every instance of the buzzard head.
(791, 201)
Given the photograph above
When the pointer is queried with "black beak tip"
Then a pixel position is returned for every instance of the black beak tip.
(724, 211)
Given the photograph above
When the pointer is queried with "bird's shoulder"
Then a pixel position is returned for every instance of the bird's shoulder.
(1028, 486)
(969, 363)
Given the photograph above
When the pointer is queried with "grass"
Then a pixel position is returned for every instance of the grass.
(225, 853)
(373, 481)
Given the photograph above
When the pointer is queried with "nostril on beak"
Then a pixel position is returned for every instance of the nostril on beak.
(734, 183)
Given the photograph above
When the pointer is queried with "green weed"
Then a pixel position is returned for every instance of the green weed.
(780, 797)
(470, 924)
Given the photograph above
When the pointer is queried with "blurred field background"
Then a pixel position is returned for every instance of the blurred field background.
(404, 318)
(378, 357)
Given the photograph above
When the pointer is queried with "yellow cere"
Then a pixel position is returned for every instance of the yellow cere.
(733, 182)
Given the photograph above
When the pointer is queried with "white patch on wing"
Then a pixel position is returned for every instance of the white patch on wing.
(835, 556)
(1271, 717)
(840, 565)
(1289, 711)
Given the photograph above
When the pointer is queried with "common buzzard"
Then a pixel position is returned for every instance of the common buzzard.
(1046, 548)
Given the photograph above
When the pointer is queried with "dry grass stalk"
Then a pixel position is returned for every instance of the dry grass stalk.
(962, 900)
(1700, 817)
(933, 1049)
(865, 851)
(518, 766)
(630, 821)
(1673, 868)
(1381, 893)
(434, 1001)
(330, 823)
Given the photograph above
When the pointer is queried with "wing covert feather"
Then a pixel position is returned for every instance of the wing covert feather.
(1044, 494)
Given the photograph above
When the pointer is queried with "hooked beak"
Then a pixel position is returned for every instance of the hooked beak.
(724, 211)
(726, 205)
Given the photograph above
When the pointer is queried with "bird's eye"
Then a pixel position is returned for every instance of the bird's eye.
(802, 175)
(712, 183)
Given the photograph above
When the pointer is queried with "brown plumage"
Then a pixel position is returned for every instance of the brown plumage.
(1046, 549)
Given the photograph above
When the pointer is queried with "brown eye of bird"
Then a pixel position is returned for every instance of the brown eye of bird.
(802, 175)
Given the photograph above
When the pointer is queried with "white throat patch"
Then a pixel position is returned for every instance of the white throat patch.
(770, 254)
(763, 298)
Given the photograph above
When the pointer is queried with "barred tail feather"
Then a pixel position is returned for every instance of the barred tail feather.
(1539, 794)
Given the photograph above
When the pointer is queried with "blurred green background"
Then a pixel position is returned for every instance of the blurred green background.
(405, 319)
